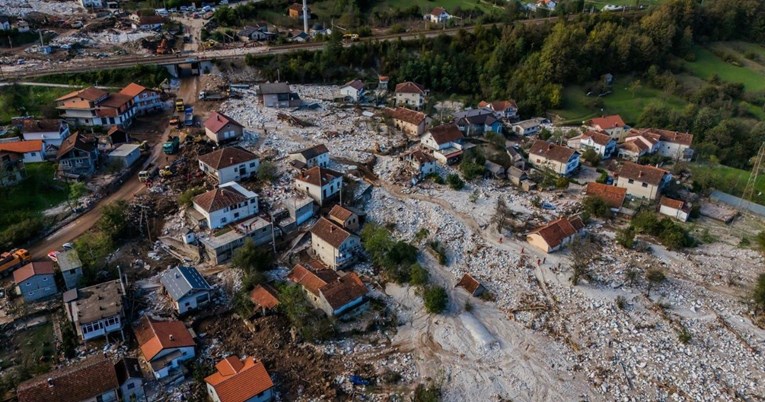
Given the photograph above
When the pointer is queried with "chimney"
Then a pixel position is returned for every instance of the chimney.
(231, 160)
(640, 174)
(172, 338)
(50, 382)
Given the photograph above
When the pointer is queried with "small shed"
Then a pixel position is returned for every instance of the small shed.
(495, 170)
(516, 175)
(471, 284)
(126, 154)
(71, 267)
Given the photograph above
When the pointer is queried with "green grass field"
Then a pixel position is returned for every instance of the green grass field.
(427, 5)
(728, 179)
(577, 106)
(707, 64)
(20, 100)
(36, 193)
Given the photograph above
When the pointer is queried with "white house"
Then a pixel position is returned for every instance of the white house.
(421, 163)
(642, 181)
(529, 127)
(352, 90)
(601, 143)
(670, 144)
(437, 16)
(187, 287)
(327, 289)
(317, 155)
(333, 245)
(445, 141)
(638, 143)
(677, 209)
(164, 345)
(613, 125)
(220, 128)
(239, 380)
(506, 109)
(145, 100)
(560, 159)
(32, 151)
(228, 203)
(51, 132)
(229, 164)
(319, 183)
(410, 94)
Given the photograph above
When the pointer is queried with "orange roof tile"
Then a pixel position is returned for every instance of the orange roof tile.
(22, 146)
(329, 232)
(311, 280)
(155, 336)
(339, 213)
(642, 173)
(613, 196)
(264, 296)
(672, 203)
(132, 90)
(410, 87)
(32, 269)
(607, 122)
(556, 231)
(239, 380)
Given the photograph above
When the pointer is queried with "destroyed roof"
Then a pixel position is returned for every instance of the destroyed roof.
(355, 84)
(156, 336)
(420, 156)
(556, 231)
(343, 290)
(498, 106)
(493, 167)
(95, 302)
(81, 381)
(634, 145)
(340, 213)
(32, 269)
(446, 133)
(239, 380)
(598, 138)
(132, 90)
(469, 283)
(90, 93)
(551, 151)
(225, 157)
(642, 173)
(407, 115)
(75, 140)
(613, 196)
(126, 369)
(217, 121)
(274, 88)
(39, 126)
(180, 281)
(21, 147)
(329, 232)
(312, 279)
(312, 152)
(151, 19)
(672, 203)
(264, 296)
(410, 87)
(606, 122)
(219, 198)
(318, 176)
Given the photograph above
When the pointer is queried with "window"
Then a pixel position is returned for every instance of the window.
(223, 220)
(236, 215)
(252, 164)
(645, 184)
(131, 385)
(33, 154)
(630, 181)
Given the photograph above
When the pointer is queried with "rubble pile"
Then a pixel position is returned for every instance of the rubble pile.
(20, 8)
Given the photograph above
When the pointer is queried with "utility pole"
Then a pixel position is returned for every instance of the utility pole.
(273, 235)
(751, 183)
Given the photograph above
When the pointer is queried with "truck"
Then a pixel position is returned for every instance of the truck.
(171, 146)
(149, 173)
(179, 106)
(13, 259)
(212, 95)
(188, 117)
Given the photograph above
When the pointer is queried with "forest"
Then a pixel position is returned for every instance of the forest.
(534, 63)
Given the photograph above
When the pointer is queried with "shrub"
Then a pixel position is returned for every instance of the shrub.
(591, 156)
(595, 206)
(760, 239)
(267, 171)
(187, 196)
(455, 182)
(759, 292)
(436, 299)
(621, 302)
(626, 237)
(418, 275)
(470, 170)
(431, 393)
(684, 336)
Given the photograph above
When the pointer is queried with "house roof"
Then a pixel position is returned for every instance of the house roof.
(551, 151)
(81, 381)
(340, 213)
(437, 11)
(607, 122)
(556, 231)
(151, 19)
(613, 196)
(498, 106)
(343, 290)
(446, 133)
(75, 140)
(312, 152)
(225, 157)
(634, 145)
(180, 281)
(132, 90)
(597, 137)
(410, 87)
(355, 84)
(95, 302)
(329, 232)
(296, 6)
(68, 260)
(21, 147)
(219, 198)
(311, 278)
(126, 369)
(672, 203)
(318, 176)
(156, 336)
(90, 93)
(218, 120)
(642, 173)
(32, 269)
(673, 136)
(39, 126)
(420, 156)
(274, 88)
(469, 283)
(239, 380)
(475, 116)
(407, 115)
(264, 296)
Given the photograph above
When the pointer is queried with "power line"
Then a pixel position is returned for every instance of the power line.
(751, 183)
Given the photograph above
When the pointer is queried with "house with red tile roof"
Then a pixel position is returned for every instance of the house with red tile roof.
(642, 181)
(613, 125)
(352, 90)
(319, 183)
(164, 345)
(445, 141)
(95, 107)
(677, 209)
(35, 281)
(227, 204)
(239, 380)
(144, 100)
(31, 151)
(411, 122)
(613, 196)
(229, 164)
(344, 217)
(561, 160)
(92, 379)
(600, 142)
(503, 109)
(328, 290)
(50, 131)
(410, 94)
(264, 297)
(78, 155)
(220, 128)
(472, 285)
(437, 15)
(333, 245)
(556, 234)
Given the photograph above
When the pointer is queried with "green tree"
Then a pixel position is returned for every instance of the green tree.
(759, 292)
(187, 197)
(436, 299)
(267, 171)
(454, 181)
(591, 156)
(113, 220)
(760, 239)
(595, 206)
(76, 190)
(418, 275)
(251, 258)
